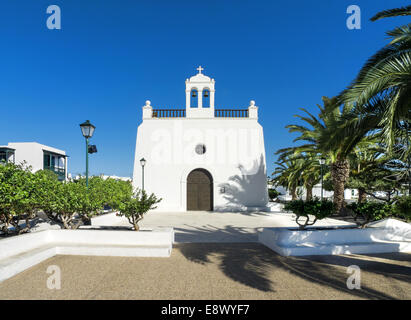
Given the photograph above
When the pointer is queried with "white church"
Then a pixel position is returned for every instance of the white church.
(202, 157)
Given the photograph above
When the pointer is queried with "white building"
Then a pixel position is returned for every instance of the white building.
(202, 157)
(36, 155)
(105, 177)
(349, 194)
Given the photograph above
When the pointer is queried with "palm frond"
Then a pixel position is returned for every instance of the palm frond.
(403, 11)
(400, 34)
(385, 76)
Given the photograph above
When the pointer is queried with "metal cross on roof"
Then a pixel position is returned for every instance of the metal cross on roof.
(200, 69)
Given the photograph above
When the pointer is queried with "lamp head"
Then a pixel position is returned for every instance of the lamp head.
(87, 129)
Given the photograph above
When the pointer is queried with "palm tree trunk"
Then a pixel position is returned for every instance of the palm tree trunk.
(340, 171)
(362, 196)
(293, 193)
(309, 195)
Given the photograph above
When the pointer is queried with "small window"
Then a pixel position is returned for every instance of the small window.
(206, 98)
(46, 161)
(200, 149)
(194, 98)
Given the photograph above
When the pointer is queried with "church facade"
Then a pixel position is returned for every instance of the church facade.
(202, 157)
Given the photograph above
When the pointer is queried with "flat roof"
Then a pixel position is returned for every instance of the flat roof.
(6, 147)
(42, 146)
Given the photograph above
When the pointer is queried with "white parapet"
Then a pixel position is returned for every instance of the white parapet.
(147, 110)
(335, 241)
(253, 110)
(24, 251)
(108, 219)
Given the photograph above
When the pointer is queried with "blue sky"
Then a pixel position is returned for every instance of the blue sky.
(110, 56)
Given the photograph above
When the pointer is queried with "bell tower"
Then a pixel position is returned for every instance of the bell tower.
(200, 95)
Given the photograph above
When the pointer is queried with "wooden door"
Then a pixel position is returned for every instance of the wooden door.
(199, 190)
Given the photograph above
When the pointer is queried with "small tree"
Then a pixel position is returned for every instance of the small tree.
(136, 206)
(273, 194)
(116, 192)
(304, 209)
(67, 203)
(18, 200)
(46, 184)
(91, 199)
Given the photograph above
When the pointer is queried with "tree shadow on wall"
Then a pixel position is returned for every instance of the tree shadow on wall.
(245, 190)
(258, 267)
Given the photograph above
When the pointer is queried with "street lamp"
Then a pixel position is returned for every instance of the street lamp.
(143, 163)
(322, 162)
(87, 129)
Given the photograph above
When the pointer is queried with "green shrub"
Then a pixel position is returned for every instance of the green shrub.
(70, 204)
(136, 206)
(317, 208)
(371, 211)
(23, 193)
(18, 197)
(272, 194)
(402, 207)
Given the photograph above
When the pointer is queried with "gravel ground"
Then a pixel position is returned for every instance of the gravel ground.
(216, 271)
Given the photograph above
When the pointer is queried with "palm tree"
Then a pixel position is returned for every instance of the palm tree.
(383, 86)
(316, 138)
(310, 173)
(286, 174)
(305, 171)
(366, 159)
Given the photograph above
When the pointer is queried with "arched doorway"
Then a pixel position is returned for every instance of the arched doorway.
(200, 190)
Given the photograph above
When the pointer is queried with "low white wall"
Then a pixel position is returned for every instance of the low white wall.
(158, 237)
(22, 252)
(108, 219)
(25, 242)
(295, 242)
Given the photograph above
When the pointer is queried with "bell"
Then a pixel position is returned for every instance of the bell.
(206, 94)
(194, 94)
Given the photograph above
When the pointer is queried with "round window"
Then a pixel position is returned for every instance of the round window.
(200, 149)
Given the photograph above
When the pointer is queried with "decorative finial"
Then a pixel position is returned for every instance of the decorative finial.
(252, 103)
(200, 69)
(148, 102)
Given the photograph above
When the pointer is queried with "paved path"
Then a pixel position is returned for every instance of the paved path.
(216, 271)
(202, 226)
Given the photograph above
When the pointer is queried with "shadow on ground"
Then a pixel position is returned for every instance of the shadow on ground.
(210, 233)
(252, 264)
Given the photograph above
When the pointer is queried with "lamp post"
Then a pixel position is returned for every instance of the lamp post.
(142, 163)
(322, 161)
(87, 129)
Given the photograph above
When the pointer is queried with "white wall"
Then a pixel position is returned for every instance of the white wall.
(235, 157)
(32, 154)
(326, 194)
(28, 152)
(317, 192)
